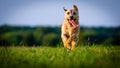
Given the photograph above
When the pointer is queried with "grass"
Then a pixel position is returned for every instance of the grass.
(48, 57)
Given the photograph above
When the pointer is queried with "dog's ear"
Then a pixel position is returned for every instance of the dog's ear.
(64, 9)
(75, 7)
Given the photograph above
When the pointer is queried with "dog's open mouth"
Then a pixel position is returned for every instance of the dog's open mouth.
(73, 23)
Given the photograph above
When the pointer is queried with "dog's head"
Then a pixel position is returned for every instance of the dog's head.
(72, 14)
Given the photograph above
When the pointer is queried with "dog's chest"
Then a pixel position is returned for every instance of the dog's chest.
(71, 30)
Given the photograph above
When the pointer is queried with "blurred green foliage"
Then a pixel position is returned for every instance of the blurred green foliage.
(50, 36)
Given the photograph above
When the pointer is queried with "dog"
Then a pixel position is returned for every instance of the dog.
(70, 28)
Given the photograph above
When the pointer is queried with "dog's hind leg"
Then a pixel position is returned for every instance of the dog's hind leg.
(74, 43)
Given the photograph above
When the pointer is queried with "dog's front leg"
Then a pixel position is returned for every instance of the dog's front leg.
(65, 38)
(69, 45)
(73, 43)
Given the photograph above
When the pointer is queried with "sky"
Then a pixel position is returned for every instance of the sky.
(50, 12)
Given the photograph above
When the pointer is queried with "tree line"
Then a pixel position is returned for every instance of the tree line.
(50, 36)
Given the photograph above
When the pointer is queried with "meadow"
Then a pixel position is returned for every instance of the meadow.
(95, 56)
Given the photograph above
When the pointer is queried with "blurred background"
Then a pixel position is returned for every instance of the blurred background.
(36, 22)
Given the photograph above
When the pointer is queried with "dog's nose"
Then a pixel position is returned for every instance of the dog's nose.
(71, 17)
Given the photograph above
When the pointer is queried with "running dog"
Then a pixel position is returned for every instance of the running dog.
(70, 28)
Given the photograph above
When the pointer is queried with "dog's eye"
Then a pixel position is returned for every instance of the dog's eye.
(68, 13)
(74, 13)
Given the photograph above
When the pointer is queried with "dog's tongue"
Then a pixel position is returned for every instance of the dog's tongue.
(73, 23)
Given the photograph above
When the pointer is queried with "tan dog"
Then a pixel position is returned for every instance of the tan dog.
(70, 28)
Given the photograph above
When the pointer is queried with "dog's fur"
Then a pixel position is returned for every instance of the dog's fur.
(69, 33)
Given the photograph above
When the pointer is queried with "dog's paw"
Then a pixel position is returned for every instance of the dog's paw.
(68, 50)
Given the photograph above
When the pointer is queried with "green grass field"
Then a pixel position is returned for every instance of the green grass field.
(58, 57)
